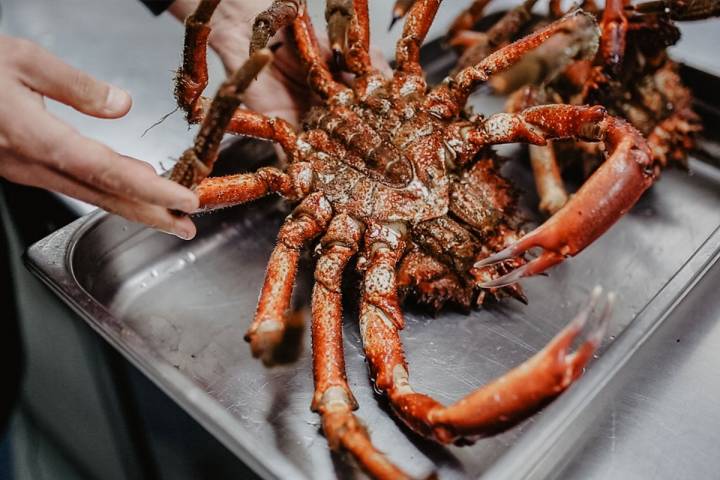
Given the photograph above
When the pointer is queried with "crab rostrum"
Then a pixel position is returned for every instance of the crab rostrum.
(395, 173)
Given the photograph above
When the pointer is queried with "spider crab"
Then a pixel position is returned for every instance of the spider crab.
(393, 172)
(633, 77)
(623, 66)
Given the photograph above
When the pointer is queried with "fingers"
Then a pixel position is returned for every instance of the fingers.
(50, 76)
(94, 164)
(154, 216)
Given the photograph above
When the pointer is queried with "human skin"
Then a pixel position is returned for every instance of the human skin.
(39, 150)
(281, 89)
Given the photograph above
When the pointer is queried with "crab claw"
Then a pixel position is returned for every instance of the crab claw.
(605, 197)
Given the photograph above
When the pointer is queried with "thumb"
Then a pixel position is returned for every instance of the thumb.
(50, 76)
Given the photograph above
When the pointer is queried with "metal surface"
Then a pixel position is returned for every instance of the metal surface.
(178, 311)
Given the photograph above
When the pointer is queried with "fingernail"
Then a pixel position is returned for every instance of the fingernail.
(184, 234)
(117, 100)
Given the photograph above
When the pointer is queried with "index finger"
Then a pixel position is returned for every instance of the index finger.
(97, 165)
(47, 74)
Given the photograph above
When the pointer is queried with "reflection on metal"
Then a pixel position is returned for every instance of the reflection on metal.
(178, 310)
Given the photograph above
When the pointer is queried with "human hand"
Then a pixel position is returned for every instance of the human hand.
(39, 150)
(281, 89)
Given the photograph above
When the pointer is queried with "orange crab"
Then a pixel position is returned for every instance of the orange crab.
(393, 172)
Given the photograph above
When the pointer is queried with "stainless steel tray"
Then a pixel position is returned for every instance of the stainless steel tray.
(178, 311)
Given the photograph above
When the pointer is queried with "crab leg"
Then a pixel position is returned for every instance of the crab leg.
(497, 35)
(319, 77)
(614, 26)
(490, 409)
(548, 181)
(607, 195)
(333, 399)
(555, 9)
(192, 78)
(197, 161)
(348, 24)
(267, 331)
(231, 190)
(468, 78)
(417, 24)
(279, 15)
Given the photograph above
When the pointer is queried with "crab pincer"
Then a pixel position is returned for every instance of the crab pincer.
(601, 201)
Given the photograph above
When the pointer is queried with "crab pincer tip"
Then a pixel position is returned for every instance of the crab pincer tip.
(497, 257)
(393, 21)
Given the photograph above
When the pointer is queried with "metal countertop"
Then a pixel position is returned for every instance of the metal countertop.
(665, 425)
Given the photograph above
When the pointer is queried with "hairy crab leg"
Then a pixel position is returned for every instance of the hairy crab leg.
(192, 77)
(320, 79)
(605, 197)
(276, 17)
(333, 399)
(231, 190)
(548, 181)
(267, 331)
(197, 161)
(490, 409)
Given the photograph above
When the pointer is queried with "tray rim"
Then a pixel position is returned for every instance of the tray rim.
(539, 452)
(58, 274)
(548, 445)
